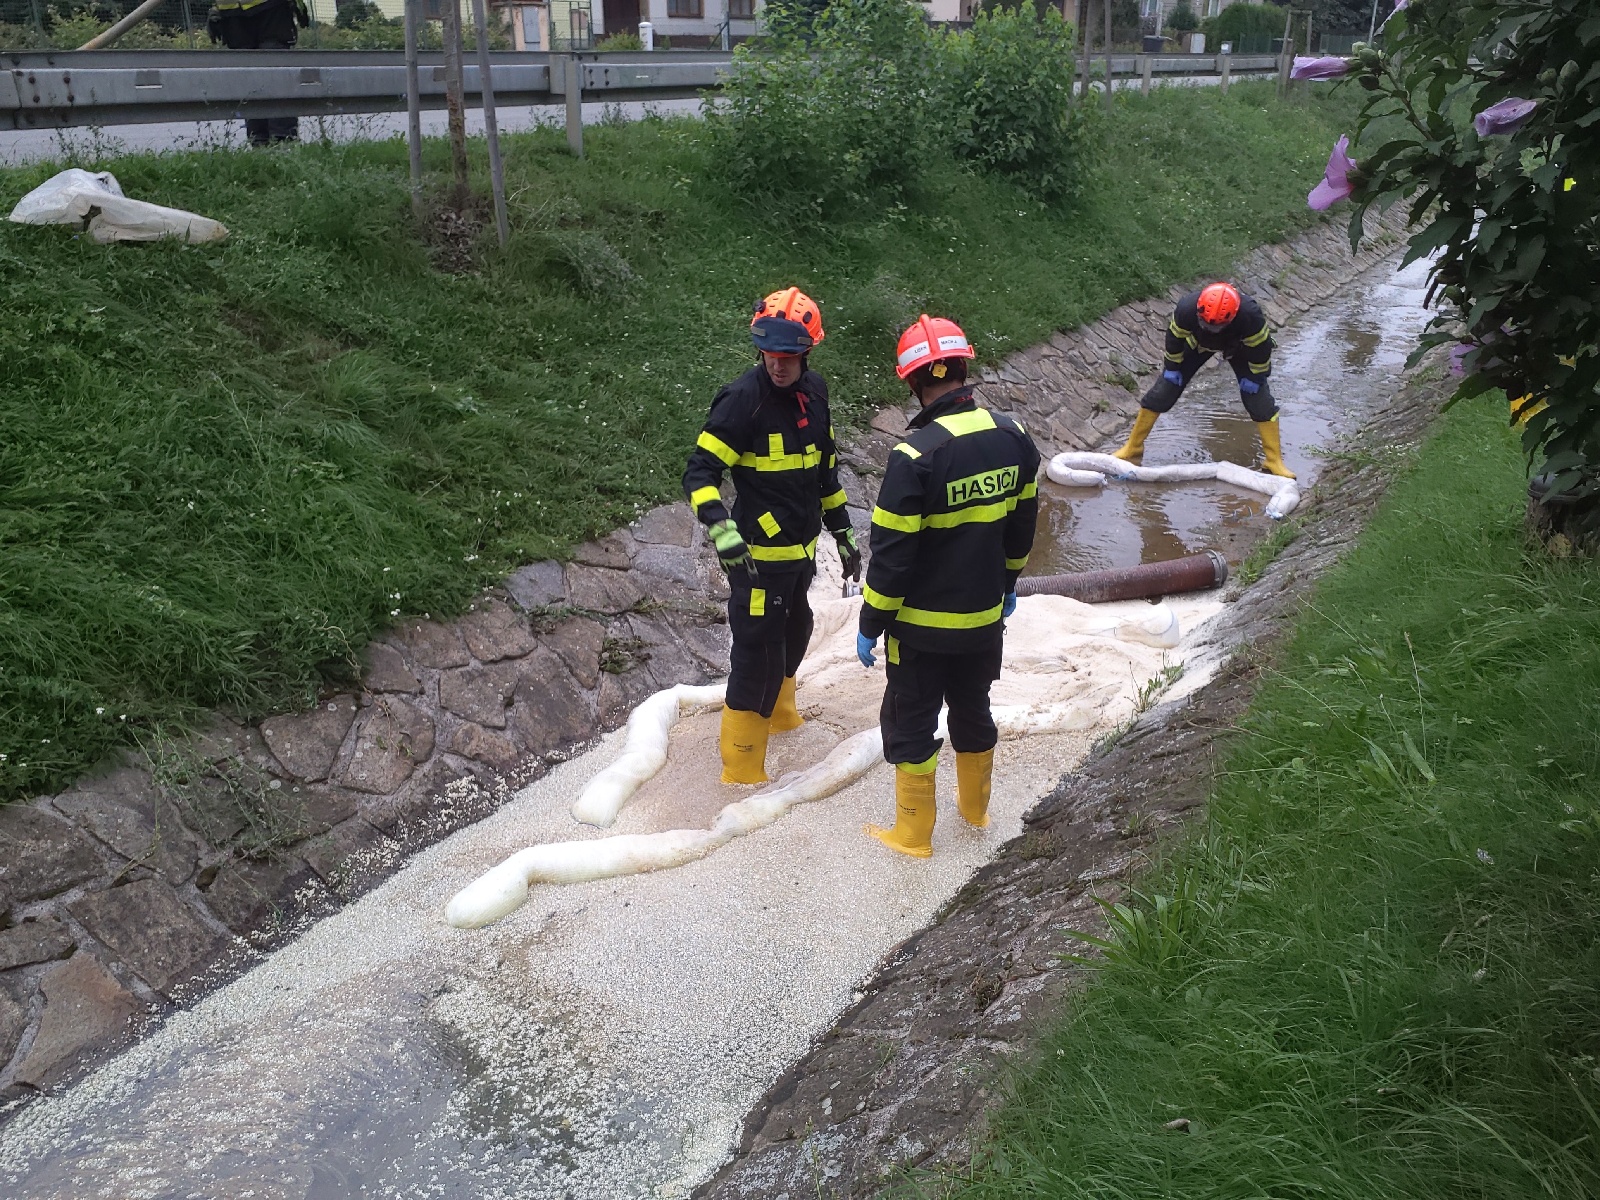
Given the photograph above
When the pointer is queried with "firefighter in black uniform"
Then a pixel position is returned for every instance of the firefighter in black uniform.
(771, 428)
(1218, 319)
(951, 532)
(261, 25)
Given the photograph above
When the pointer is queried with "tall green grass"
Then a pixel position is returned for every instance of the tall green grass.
(1374, 971)
(225, 468)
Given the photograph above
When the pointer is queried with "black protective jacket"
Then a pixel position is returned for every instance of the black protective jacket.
(952, 528)
(1245, 337)
(779, 446)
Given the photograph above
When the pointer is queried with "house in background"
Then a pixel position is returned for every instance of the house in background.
(689, 24)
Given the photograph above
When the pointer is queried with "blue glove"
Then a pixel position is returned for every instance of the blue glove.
(1172, 376)
(1008, 605)
(864, 647)
(1249, 387)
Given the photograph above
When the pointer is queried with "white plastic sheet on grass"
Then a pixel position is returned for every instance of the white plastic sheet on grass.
(76, 197)
(1083, 469)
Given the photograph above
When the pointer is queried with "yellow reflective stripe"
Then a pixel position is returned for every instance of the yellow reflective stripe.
(909, 450)
(1174, 358)
(1178, 331)
(976, 515)
(950, 620)
(710, 441)
(926, 767)
(1016, 564)
(1255, 339)
(758, 602)
(1261, 368)
(1029, 491)
(889, 520)
(879, 601)
(894, 650)
(829, 503)
(769, 524)
(780, 462)
(703, 495)
(784, 553)
(967, 422)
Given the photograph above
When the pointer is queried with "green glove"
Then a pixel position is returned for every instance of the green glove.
(849, 554)
(731, 550)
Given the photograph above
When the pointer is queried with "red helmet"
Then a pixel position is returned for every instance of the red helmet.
(787, 322)
(1218, 303)
(929, 340)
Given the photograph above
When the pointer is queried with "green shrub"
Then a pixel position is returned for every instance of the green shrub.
(822, 131)
(1249, 27)
(1009, 95)
(357, 12)
(1183, 20)
(619, 42)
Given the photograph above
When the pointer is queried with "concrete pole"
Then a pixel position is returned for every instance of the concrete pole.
(414, 105)
(1105, 8)
(491, 126)
(1083, 33)
(1146, 66)
(455, 99)
(1224, 67)
(574, 90)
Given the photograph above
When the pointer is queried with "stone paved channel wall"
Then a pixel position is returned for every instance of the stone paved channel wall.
(167, 871)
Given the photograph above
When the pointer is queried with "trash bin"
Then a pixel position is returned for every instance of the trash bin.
(1153, 43)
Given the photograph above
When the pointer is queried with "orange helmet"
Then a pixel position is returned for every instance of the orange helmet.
(929, 340)
(787, 322)
(1218, 303)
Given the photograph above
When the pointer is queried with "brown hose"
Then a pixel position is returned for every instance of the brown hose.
(1195, 573)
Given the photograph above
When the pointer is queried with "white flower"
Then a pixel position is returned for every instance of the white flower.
(1485, 857)
(100, 712)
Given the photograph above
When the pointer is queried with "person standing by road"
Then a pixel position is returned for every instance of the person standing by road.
(771, 429)
(261, 25)
(951, 531)
(1218, 319)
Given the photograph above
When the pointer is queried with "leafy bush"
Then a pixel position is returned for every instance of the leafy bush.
(619, 42)
(1249, 27)
(1183, 20)
(821, 132)
(1513, 214)
(1009, 92)
(357, 12)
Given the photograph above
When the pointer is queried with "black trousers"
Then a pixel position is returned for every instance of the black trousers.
(921, 682)
(1163, 394)
(770, 618)
(269, 26)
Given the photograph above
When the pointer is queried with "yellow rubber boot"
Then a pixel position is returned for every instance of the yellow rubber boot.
(1272, 448)
(744, 746)
(785, 716)
(1133, 449)
(973, 772)
(914, 811)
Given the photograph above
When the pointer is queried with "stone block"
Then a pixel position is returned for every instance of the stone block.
(392, 738)
(13, 1019)
(677, 563)
(244, 895)
(411, 809)
(538, 585)
(614, 551)
(121, 809)
(551, 711)
(480, 694)
(387, 671)
(496, 631)
(85, 1008)
(40, 855)
(317, 807)
(482, 745)
(577, 643)
(601, 590)
(670, 663)
(352, 857)
(667, 525)
(620, 695)
(430, 644)
(308, 743)
(150, 929)
(34, 942)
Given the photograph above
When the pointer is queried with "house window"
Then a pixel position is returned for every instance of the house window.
(1213, 7)
(741, 10)
(686, 8)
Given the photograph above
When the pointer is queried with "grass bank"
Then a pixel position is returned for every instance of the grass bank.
(227, 467)
(1374, 969)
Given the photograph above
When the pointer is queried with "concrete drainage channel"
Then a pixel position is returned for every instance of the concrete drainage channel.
(117, 891)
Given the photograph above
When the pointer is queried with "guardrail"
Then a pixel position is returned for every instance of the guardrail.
(42, 89)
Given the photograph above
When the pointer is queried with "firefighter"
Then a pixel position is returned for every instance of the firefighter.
(951, 532)
(770, 427)
(261, 25)
(1218, 319)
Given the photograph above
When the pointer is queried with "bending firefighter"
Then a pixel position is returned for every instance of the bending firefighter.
(951, 532)
(770, 427)
(261, 25)
(1218, 319)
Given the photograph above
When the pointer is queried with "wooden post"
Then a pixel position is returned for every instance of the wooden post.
(1224, 68)
(574, 89)
(491, 126)
(1146, 66)
(414, 105)
(455, 99)
(1105, 7)
(1285, 55)
(1083, 31)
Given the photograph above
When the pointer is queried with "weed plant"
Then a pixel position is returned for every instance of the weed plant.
(227, 467)
(1374, 971)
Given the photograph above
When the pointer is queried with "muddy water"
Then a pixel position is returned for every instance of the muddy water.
(1327, 373)
(605, 1040)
